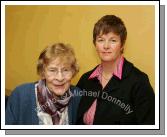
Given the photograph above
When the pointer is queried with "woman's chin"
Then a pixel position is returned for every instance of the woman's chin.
(106, 59)
(59, 91)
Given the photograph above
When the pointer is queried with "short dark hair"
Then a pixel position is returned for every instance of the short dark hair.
(110, 23)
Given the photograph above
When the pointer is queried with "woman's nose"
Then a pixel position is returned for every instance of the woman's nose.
(60, 76)
(106, 45)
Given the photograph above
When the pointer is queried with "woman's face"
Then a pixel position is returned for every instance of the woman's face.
(58, 76)
(108, 46)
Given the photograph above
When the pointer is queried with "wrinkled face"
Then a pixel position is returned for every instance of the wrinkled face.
(58, 76)
(108, 46)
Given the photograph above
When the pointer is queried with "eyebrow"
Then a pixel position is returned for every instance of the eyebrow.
(58, 68)
(52, 67)
(113, 37)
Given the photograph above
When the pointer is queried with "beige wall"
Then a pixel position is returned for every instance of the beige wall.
(31, 28)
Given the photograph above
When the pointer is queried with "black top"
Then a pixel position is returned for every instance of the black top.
(130, 100)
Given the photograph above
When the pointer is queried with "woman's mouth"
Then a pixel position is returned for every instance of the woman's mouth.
(59, 86)
(106, 53)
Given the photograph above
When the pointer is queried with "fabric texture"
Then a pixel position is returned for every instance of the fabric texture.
(89, 115)
(22, 108)
(50, 104)
(126, 101)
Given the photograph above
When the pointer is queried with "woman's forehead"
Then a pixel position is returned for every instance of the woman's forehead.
(108, 29)
(109, 34)
(58, 62)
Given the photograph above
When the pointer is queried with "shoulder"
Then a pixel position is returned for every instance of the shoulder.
(76, 91)
(84, 79)
(25, 86)
(139, 73)
(23, 89)
(74, 88)
(22, 95)
(87, 74)
(139, 83)
(138, 78)
(131, 70)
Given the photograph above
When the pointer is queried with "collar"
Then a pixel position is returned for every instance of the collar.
(117, 72)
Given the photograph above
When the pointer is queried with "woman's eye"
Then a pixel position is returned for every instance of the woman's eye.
(113, 40)
(100, 40)
(52, 70)
(66, 69)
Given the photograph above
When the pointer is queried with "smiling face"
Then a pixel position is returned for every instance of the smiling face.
(109, 47)
(58, 76)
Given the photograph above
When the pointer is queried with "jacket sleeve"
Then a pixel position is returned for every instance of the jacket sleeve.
(12, 109)
(144, 102)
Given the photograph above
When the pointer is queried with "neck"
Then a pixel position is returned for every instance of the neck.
(109, 66)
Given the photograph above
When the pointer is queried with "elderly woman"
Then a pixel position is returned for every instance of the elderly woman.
(51, 100)
(115, 91)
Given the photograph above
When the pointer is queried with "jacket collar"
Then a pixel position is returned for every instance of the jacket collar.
(114, 83)
(117, 72)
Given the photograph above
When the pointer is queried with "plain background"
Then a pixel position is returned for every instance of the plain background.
(29, 29)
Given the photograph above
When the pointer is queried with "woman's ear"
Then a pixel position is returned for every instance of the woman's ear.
(122, 49)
